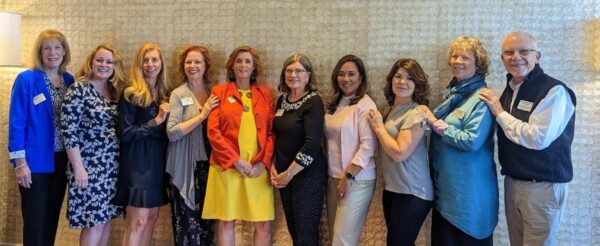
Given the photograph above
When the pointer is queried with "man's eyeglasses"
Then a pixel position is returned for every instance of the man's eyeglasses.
(297, 71)
(523, 52)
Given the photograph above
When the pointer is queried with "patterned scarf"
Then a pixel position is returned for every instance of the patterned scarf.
(458, 92)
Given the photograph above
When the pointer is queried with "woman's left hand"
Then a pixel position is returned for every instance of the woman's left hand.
(23, 174)
(282, 180)
(256, 170)
(342, 188)
(273, 175)
(163, 111)
(243, 167)
(211, 103)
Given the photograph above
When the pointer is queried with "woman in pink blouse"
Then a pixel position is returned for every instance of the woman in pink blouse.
(350, 150)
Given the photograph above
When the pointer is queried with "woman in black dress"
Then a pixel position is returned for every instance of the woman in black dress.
(143, 112)
(300, 170)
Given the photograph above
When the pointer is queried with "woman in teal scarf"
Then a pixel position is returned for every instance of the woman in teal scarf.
(462, 153)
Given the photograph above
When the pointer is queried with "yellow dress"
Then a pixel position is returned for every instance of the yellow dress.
(230, 196)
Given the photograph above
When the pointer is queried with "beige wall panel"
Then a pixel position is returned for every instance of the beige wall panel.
(379, 31)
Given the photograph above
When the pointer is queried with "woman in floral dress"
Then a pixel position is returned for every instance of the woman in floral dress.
(88, 121)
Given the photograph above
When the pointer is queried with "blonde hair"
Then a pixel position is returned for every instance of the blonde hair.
(116, 80)
(36, 52)
(138, 92)
(471, 43)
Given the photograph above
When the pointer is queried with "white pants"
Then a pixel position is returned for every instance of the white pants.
(347, 217)
(533, 210)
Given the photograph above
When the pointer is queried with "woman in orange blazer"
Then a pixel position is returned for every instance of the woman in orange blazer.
(239, 131)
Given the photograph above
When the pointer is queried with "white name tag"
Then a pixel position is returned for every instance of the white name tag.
(187, 101)
(459, 114)
(39, 98)
(525, 105)
(279, 112)
(231, 99)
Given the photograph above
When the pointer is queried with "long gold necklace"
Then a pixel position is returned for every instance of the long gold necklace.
(246, 99)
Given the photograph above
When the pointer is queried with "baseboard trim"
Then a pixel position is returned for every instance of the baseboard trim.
(10, 244)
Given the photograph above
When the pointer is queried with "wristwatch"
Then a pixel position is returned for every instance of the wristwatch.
(350, 176)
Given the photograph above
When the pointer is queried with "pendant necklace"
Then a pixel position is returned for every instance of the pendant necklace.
(245, 100)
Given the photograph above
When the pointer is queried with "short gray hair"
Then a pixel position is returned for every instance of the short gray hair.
(522, 33)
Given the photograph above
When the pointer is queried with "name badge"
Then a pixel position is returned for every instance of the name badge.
(459, 114)
(525, 105)
(187, 101)
(39, 98)
(231, 99)
(279, 112)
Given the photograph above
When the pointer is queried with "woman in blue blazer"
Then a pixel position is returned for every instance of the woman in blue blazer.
(35, 144)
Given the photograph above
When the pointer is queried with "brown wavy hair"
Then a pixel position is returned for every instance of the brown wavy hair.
(258, 67)
(116, 81)
(181, 56)
(421, 92)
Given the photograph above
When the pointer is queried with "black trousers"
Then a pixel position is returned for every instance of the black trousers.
(302, 201)
(404, 215)
(443, 233)
(41, 203)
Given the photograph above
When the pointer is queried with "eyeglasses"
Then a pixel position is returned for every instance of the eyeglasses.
(297, 71)
(523, 52)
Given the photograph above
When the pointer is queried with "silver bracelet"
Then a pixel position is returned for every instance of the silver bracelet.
(289, 174)
(20, 166)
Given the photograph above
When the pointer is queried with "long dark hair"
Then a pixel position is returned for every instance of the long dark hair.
(336, 94)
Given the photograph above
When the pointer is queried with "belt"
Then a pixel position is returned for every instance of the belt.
(526, 179)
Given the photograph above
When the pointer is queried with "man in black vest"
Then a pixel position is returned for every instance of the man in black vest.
(536, 121)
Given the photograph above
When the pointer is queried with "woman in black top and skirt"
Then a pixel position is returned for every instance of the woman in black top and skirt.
(143, 112)
(300, 171)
